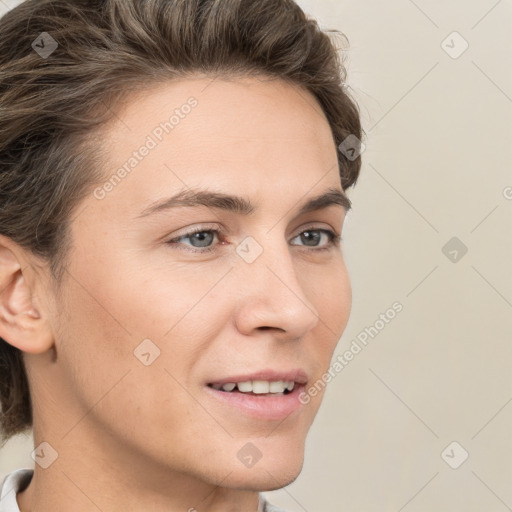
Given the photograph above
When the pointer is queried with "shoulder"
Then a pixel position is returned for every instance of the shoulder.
(11, 484)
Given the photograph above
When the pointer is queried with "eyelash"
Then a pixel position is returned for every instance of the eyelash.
(334, 239)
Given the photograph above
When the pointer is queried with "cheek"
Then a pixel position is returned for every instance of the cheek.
(340, 296)
(331, 293)
(94, 348)
(113, 389)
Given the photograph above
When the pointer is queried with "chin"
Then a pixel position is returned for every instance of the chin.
(268, 474)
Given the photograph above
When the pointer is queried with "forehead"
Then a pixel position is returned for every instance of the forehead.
(236, 134)
(249, 109)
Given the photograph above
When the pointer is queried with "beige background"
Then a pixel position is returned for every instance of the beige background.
(437, 165)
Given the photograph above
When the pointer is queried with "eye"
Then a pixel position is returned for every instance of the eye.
(201, 239)
(313, 238)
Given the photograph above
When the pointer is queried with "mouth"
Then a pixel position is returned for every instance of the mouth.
(257, 387)
(263, 395)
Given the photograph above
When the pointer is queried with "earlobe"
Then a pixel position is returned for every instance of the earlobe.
(22, 324)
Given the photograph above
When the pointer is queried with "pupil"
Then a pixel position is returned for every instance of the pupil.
(309, 235)
(200, 237)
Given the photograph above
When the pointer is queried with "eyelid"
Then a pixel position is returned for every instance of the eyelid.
(212, 226)
(313, 226)
(334, 237)
(196, 228)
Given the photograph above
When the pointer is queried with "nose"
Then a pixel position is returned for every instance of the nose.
(271, 296)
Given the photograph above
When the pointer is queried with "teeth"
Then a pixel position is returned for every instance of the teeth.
(277, 387)
(245, 387)
(259, 387)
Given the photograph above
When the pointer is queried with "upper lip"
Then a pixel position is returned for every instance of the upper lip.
(297, 375)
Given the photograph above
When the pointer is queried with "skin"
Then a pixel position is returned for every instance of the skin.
(129, 435)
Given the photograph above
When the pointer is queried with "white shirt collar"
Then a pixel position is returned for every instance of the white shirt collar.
(13, 483)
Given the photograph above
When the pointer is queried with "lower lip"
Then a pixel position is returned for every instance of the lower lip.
(261, 407)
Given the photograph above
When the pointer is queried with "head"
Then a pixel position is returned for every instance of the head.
(116, 322)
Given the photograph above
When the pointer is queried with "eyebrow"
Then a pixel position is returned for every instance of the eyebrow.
(237, 204)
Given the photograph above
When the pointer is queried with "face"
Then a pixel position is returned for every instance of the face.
(153, 317)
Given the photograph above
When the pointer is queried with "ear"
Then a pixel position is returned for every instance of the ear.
(23, 321)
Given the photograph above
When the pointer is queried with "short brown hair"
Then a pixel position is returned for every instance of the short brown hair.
(50, 103)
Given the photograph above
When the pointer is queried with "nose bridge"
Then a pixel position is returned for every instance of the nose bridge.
(272, 294)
